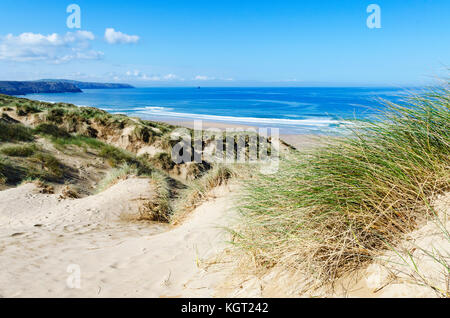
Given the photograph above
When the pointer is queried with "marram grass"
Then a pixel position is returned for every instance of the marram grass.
(198, 191)
(333, 209)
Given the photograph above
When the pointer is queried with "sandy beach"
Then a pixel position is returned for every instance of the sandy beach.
(42, 238)
(48, 240)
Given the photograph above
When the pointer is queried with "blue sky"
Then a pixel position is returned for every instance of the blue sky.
(232, 43)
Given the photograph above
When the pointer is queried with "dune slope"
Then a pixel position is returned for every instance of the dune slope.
(44, 238)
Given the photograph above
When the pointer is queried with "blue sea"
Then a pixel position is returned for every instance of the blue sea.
(299, 110)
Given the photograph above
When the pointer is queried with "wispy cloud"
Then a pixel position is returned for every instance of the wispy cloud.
(138, 75)
(209, 78)
(114, 37)
(203, 78)
(52, 48)
(171, 77)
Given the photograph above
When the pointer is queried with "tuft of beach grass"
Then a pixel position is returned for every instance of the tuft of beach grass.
(198, 191)
(331, 210)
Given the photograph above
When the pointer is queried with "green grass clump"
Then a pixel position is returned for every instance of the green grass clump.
(51, 130)
(90, 112)
(199, 189)
(19, 150)
(145, 134)
(3, 168)
(50, 167)
(114, 176)
(56, 115)
(15, 132)
(162, 127)
(77, 140)
(333, 209)
(10, 173)
(158, 208)
(25, 109)
(162, 160)
(115, 156)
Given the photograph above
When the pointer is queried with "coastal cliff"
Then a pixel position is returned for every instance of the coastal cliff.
(53, 86)
(23, 88)
(89, 85)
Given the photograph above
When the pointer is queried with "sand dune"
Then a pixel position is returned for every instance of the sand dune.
(43, 237)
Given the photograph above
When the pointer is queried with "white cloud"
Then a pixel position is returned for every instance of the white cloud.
(208, 78)
(202, 78)
(138, 75)
(80, 35)
(133, 73)
(171, 77)
(53, 48)
(113, 37)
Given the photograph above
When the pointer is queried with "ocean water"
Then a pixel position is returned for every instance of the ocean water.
(318, 110)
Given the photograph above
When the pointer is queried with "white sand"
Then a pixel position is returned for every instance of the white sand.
(42, 237)
(115, 258)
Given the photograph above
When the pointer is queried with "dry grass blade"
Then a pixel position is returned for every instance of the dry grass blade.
(333, 209)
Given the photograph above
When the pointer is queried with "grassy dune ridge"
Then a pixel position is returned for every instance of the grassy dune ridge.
(34, 134)
(332, 209)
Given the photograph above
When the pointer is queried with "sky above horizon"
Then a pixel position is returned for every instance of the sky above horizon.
(227, 43)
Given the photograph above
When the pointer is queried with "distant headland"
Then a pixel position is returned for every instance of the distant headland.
(88, 85)
(53, 86)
